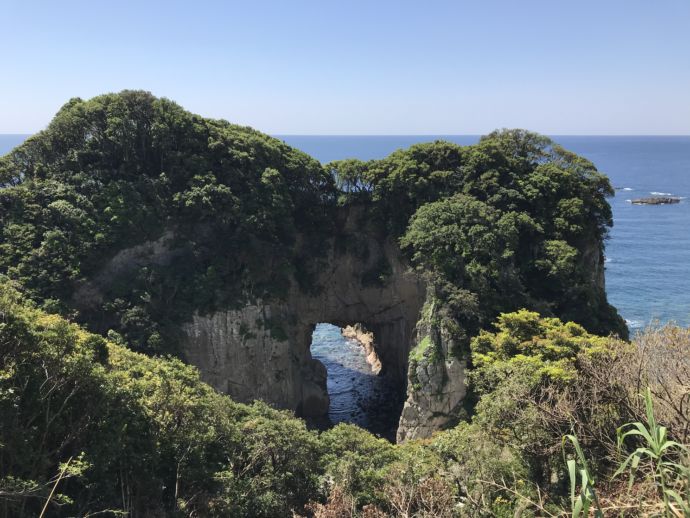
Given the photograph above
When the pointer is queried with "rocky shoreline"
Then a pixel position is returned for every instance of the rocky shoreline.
(365, 338)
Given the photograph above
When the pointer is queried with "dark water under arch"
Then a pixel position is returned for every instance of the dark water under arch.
(357, 395)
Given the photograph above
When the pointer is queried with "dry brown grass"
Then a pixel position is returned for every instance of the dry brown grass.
(609, 387)
(661, 361)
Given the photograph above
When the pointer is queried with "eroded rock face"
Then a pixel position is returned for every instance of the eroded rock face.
(262, 350)
(238, 354)
(436, 381)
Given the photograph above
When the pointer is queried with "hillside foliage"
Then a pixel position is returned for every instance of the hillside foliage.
(120, 170)
(513, 221)
(116, 432)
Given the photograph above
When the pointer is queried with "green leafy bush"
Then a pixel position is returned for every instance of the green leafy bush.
(546, 347)
(146, 435)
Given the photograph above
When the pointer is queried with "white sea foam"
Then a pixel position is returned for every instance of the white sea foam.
(608, 260)
(628, 189)
(657, 193)
(633, 324)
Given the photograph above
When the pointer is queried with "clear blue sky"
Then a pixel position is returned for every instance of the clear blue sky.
(360, 67)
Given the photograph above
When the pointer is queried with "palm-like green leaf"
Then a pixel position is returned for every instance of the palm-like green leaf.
(581, 504)
(657, 449)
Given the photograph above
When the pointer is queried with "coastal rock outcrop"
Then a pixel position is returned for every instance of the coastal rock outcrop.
(262, 351)
(437, 380)
(656, 200)
(366, 339)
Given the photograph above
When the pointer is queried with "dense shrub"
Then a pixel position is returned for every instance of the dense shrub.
(115, 431)
(142, 435)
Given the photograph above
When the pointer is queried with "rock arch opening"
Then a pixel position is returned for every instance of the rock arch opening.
(361, 390)
(263, 349)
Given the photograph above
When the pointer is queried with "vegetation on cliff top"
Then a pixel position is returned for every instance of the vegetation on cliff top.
(514, 221)
(120, 170)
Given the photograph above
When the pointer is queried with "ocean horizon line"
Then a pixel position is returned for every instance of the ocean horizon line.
(612, 135)
(467, 135)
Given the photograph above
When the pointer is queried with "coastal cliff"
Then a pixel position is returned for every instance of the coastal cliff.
(227, 346)
(179, 235)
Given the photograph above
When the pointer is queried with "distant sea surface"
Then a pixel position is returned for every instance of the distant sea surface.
(7, 142)
(648, 250)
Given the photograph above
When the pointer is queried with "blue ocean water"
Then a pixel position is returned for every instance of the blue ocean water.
(7, 142)
(357, 395)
